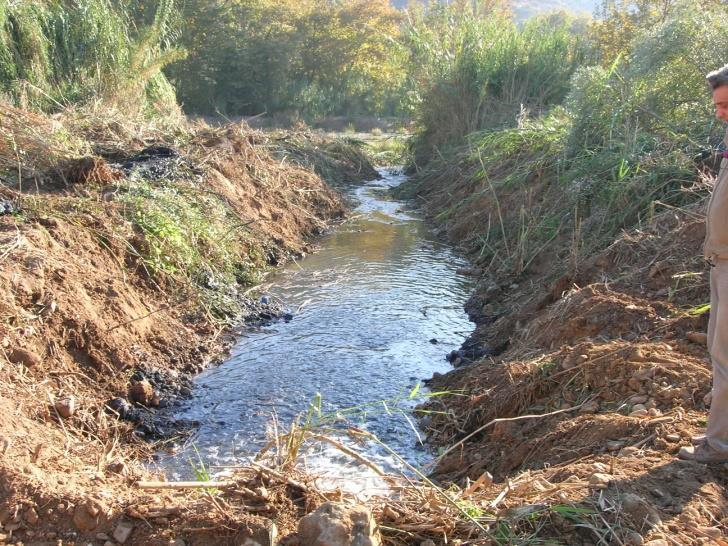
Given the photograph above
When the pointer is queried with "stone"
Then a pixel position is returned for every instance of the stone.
(108, 543)
(614, 445)
(641, 512)
(427, 542)
(638, 407)
(31, 516)
(116, 467)
(66, 407)
(600, 479)
(337, 524)
(123, 531)
(672, 437)
(5, 444)
(102, 536)
(638, 399)
(639, 413)
(86, 517)
(142, 392)
(711, 532)
(708, 398)
(27, 358)
(633, 539)
(698, 337)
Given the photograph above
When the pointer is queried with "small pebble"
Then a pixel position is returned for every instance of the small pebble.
(600, 480)
(66, 407)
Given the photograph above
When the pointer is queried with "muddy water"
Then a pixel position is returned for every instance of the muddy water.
(375, 311)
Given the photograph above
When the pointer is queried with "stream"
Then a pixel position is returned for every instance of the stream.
(375, 311)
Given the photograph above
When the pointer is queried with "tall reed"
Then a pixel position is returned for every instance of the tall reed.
(53, 54)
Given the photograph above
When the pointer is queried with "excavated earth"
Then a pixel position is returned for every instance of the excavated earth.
(93, 344)
(592, 382)
(560, 423)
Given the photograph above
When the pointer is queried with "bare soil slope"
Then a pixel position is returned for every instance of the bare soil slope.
(597, 373)
(111, 290)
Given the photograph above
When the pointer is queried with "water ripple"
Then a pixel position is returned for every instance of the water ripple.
(368, 305)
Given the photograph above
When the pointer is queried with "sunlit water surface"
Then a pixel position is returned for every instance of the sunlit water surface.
(376, 310)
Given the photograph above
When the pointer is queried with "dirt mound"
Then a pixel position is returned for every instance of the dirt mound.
(119, 278)
(590, 377)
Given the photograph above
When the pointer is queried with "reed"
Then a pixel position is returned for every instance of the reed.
(53, 54)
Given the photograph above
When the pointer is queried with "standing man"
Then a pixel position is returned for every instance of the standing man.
(713, 447)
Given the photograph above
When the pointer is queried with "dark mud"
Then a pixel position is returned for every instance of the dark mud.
(155, 419)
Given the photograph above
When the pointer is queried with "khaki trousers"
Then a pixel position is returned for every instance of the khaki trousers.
(717, 432)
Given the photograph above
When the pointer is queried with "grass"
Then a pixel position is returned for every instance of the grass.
(389, 151)
(195, 238)
(55, 54)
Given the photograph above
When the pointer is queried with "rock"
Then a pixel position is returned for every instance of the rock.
(336, 524)
(638, 399)
(5, 444)
(31, 516)
(116, 467)
(108, 543)
(66, 407)
(102, 536)
(711, 532)
(698, 337)
(708, 399)
(600, 479)
(123, 531)
(642, 513)
(142, 393)
(633, 539)
(638, 407)
(614, 445)
(7, 207)
(427, 542)
(434, 341)
(121, 406)
(634, 384)
(654, 412)
(25, 357)
(672, 437)
(87, 516)
(639, 413)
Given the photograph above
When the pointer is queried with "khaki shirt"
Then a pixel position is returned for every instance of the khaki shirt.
(716, 238)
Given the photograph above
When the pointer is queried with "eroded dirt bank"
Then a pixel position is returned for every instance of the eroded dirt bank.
(126, 256)
(587, 371)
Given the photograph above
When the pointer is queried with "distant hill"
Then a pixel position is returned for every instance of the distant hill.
(523, 9)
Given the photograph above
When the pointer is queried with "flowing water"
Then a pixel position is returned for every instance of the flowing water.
(376, 310)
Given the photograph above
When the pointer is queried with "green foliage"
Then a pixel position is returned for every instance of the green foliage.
(194, 238)
(622, 144)
(477, 72)
(58, 53)
(314, 58)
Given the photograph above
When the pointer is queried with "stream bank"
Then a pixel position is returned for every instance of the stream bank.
(126, 260)
(595, 370)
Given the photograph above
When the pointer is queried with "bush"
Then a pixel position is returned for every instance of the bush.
(487, 73)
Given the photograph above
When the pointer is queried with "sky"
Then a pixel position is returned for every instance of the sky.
(526, 8)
